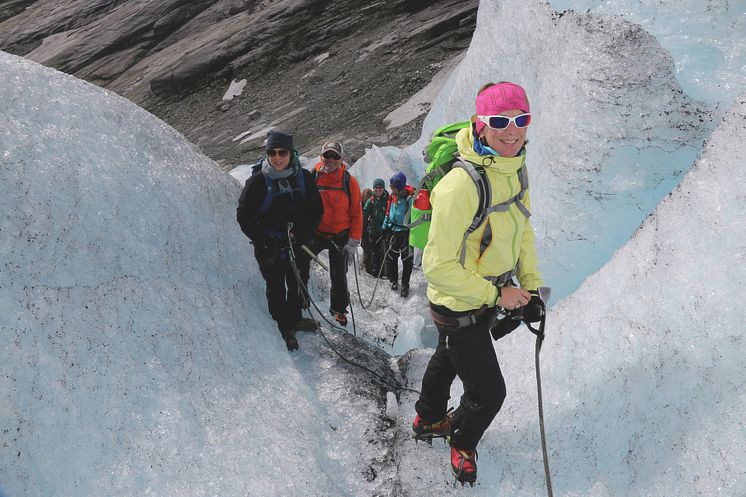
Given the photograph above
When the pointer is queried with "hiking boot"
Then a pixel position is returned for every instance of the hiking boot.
(424, 430)
(290, 341)
(394, 285)
(464, 465)
(341, 318)
(404, 290)
(306, 324)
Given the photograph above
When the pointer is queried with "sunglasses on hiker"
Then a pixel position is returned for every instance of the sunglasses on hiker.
(502, 122)
(331, 155)
(282, 152)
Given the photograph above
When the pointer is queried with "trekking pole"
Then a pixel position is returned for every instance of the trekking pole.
(544, 293)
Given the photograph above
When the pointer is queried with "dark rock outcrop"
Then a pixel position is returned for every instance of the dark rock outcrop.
(319, 68)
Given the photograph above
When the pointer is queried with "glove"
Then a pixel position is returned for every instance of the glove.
(535, 309)
(351, 247)
(503, 327)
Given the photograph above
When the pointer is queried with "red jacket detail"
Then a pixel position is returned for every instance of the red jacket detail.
(340, 211)
(393, 198)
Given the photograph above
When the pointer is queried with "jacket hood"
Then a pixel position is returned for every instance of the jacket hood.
(502, 165)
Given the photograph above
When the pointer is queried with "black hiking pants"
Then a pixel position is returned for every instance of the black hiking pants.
(282, 290)
(399, 248)
(339, 297)
(376, 249)
(468, 353)
(365, 243)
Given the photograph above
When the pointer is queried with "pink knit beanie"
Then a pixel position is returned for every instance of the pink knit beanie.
(499, 98)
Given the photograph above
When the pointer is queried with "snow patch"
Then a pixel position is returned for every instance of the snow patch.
(234, 90)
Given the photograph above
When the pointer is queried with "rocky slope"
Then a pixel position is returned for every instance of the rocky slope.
(318, 68)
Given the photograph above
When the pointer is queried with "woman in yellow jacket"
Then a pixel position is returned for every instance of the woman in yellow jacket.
(468, 278)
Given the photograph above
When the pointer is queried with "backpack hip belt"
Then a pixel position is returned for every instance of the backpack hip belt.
(464, 320)
(469, 318)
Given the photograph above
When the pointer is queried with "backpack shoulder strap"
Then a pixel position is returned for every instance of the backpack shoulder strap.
(346, 184)
(388, 203)
(257, 167)
(301, 182)
(517, 199)
(268, 195)
(479, 176)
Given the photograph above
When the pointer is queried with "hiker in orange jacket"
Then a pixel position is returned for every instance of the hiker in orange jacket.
(341, 226)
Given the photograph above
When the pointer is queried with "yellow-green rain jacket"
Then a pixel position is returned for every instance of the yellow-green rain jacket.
(454, 200)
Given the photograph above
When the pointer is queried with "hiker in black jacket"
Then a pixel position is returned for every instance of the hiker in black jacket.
(278, 193)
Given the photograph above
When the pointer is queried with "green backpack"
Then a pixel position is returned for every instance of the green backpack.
(441, 156)
(441, 153)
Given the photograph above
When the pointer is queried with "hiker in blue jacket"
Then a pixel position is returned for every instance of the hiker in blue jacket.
(397, 232)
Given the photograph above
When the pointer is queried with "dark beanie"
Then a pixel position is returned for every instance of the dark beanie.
(379, 182)
(398, 181)
(278, 139)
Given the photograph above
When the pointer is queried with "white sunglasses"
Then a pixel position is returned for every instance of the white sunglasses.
(502, 122)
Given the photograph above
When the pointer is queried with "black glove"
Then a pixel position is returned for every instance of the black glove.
(503, 327)
(535, 309)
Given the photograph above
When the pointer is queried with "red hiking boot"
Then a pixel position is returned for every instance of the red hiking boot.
(341, 318)
(464, 465)
(424, 430)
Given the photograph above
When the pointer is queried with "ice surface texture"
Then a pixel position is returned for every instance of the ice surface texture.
(136, 353)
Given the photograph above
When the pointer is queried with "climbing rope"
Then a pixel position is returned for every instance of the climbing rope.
(378, 280)
(302, 286)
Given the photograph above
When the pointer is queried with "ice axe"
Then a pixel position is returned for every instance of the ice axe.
(305, 249)
(313, 256)
(544, 293)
